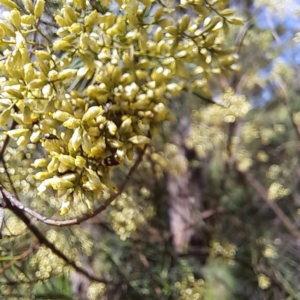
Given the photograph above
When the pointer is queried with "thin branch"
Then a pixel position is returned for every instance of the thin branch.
(210, 212)
(242, 34)
(43, 240)
(283, 95)
(263, 193)
(17, 283)
(22, 256)
(43, 35)
(2, 151)
(12, 202)
(3, 148)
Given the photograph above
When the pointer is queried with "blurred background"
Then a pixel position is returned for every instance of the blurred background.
(213, 212)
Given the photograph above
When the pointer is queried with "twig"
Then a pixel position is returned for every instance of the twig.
(210, 212)
(14, 259)
(12, 202)
(3, 148)
(43, 240)
(43, 35)
(232, 126)
(242, 34)
(272, 204)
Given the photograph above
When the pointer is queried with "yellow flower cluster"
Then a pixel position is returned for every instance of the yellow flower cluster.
(96, 290)
(277, 191)
(99, 90)
(224, 251)
(191, 288)
(53, 265)
(127, 215)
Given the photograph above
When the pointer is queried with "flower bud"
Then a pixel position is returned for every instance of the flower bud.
(23, 140)
(80, 4)
(75, 140)
(68, 160)
(42, 55)
(72, 123)
(70, 14)
(28, 5)
(93, 131)
(97, 93)
(40, 162)
(53, 75)
(86, 143)
(126, 79)
(111, 127)
(94, 181)
(76, 28)
(91, 113)
(39, 8)
(139, 140)
(53, 165)
(80, 162)
(2, 33)
(13, 92)
(35, 136)
(61, 22)
(61, 45)
(130, 154)
(8, 30)
(113, 143)
(184, 23)
(98, 150)
(92, 19)
(15, 18)
(36, 84)
(161, 111)
(125, 126)
(5, 117)
(28, 72)
(65, 206)
(16, 133)
(70, 177)
(9, 4)
(61, 116)
(67, 74)
(42, 175)
(88, 203)
(58, 183)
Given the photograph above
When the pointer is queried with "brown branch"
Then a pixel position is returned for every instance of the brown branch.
(43, 240)
(12, 202)
(3, 148)
(14, 259)
(242, 34)
(262, 192)
(210, 212)
(284, 97)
